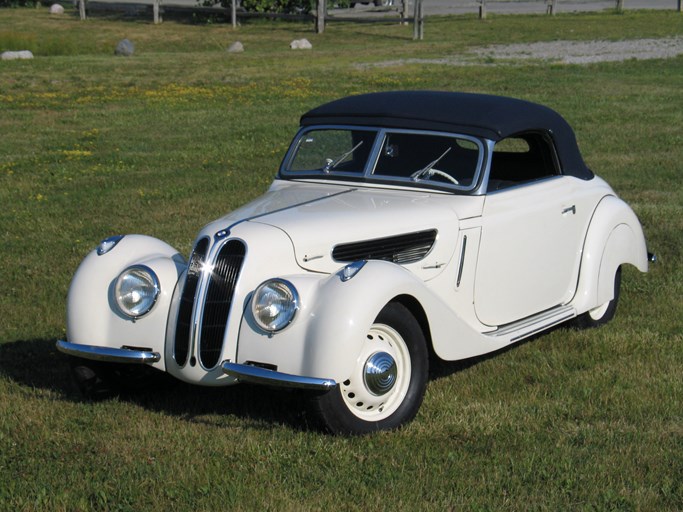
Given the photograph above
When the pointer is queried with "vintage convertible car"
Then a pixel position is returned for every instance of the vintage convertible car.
(400, 225)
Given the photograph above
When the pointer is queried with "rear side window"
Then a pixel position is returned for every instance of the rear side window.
(522, 158)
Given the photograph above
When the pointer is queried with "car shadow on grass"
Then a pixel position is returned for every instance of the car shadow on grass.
(38, 365)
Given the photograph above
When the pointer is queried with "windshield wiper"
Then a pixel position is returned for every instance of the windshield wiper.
(427, 170)
(331, 164)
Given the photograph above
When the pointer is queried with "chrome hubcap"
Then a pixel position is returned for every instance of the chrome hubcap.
(380, 373)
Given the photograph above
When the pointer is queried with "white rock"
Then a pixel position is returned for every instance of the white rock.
(23, 54)
(56, 9)
(236, 47)
(124, 48)
(301, 44)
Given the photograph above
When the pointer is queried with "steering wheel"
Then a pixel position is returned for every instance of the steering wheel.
(444, 175)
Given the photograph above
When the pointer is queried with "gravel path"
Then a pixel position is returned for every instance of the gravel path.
(567, 52)
(585, 52)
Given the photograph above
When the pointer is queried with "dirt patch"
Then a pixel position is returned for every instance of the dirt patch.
(566, 52)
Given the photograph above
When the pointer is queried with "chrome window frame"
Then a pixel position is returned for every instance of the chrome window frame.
(367, 175)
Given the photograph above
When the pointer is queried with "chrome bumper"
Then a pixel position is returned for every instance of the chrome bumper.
(111, 355)
(256, 375)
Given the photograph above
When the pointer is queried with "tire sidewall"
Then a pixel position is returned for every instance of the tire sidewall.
(335, 413)
(586, 321)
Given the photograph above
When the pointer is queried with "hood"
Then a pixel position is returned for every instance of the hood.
(321, 217)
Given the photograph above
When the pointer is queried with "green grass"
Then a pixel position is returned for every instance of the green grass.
(165, 141)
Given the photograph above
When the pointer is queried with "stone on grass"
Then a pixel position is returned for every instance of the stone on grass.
(301, 44)
(236, 47)
(22, 54)
(125, 48)
(56, 9)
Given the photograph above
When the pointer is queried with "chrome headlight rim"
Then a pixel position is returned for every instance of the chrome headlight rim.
(153, 286)
(286, 316)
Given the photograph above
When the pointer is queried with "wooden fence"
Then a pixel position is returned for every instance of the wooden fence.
(320, 16)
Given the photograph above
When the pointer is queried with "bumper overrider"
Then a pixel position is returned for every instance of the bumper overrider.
(241, 372)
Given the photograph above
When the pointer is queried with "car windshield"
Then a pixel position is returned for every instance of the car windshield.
(409, 157)
(328, 150)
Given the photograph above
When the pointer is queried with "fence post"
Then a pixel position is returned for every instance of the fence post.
(418, 21)
(550, 8)
(155, 10)
(482, 9)
(81, 9)
(233, 13)
(405, 7)
(620, 5)
(680, 5)
(320, 16)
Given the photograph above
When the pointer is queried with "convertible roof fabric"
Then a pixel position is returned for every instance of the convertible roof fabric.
(481, 115)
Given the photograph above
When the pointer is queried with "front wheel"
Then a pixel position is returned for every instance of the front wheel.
(387, 385)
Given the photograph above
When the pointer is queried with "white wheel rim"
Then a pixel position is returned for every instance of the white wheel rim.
(375, 391)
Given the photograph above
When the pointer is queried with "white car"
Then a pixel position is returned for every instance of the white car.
(400, 224)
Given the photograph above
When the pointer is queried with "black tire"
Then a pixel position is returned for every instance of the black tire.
(390, 396)
(602, 314)
(97, 380)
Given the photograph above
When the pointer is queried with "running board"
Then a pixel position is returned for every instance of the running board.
(534, 324)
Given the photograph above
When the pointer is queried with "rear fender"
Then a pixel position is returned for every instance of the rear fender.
(614, 238)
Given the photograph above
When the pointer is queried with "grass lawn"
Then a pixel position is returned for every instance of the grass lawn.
(182, 132)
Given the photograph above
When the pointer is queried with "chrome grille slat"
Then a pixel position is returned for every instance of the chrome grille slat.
(218, 299)
(183, 332)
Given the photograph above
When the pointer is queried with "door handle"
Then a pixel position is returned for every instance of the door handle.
(571, 209)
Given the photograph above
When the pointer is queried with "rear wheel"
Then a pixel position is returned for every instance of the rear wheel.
(603, 313)
(387, 385)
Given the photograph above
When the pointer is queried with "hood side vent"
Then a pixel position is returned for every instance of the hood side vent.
(400, 249)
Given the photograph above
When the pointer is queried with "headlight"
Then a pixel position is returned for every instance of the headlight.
(275, 304)
(136, 291)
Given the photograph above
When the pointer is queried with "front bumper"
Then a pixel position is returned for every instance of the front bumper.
(257, 375)
(108, 354)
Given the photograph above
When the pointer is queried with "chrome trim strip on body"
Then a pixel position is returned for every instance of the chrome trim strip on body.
(257, 375)
(284, 208)
(535, 324)
(462, 261)
(108, 354)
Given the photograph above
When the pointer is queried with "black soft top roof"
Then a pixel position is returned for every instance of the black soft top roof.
(490, 117)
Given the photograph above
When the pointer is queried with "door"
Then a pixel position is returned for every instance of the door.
(530, 250)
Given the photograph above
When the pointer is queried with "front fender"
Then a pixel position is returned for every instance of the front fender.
(92, 317)
(326, 338)
(615, 237)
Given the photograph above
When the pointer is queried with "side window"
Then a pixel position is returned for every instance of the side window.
(522, 158)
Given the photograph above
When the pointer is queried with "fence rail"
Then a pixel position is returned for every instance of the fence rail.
(403, 12)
